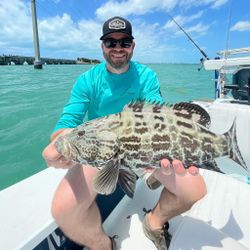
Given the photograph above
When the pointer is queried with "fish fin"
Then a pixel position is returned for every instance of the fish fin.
(211, 165)
(234, 151)
(135, 106)
(193, 112)
(106, 179)
(127, 181)
(145, 106)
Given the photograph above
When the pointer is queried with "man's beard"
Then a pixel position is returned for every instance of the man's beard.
(118, 64)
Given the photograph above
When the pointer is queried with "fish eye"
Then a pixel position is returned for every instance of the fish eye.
(81, 133)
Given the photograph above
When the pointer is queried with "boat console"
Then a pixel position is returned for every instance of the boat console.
(240, 87)
(239, 67)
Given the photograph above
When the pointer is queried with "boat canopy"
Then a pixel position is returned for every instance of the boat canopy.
(218, 64)
(227, 63)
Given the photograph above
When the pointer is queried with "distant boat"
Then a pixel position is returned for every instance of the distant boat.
(25, 63)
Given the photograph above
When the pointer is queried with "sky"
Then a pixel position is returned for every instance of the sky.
(72, 28)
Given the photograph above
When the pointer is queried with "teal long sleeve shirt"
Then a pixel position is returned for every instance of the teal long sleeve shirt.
(98, 92)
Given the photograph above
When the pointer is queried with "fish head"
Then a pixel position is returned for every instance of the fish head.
(89, 144)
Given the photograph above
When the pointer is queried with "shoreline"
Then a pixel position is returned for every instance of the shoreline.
(29, 60)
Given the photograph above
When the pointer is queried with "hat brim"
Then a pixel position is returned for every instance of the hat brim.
(118, 31)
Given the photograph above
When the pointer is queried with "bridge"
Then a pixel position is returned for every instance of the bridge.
(20, 60)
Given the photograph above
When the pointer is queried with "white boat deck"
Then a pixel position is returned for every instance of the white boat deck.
(218, 221)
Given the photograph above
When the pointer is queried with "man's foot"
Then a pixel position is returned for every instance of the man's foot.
(160, 237)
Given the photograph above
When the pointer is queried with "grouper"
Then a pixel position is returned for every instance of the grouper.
(140, 136)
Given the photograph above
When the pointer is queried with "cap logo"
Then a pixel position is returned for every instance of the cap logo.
(117, 24)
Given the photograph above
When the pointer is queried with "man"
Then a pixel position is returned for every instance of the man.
(102, 90)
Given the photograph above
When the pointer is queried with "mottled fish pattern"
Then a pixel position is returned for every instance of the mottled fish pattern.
(143, 134)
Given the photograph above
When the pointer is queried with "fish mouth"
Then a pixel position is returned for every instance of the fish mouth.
(63, 147)
(85, 162)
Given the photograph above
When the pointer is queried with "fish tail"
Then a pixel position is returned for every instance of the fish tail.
(234, 151)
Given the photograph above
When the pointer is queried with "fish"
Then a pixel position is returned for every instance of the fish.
(141, 135)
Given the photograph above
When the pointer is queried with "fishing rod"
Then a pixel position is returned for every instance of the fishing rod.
(190, 38)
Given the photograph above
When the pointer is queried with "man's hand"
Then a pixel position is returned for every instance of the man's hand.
(52, 157)
(177, 166)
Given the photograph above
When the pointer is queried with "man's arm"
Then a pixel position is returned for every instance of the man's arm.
(75, 110)
(151, 90)
(72, 116)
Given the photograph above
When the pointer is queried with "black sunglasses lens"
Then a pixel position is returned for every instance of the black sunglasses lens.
(110, 43)
(124, 43)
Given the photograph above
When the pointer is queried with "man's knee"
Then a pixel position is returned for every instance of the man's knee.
(56, 212)
(68, 206)
(60, 207)
(74, 193)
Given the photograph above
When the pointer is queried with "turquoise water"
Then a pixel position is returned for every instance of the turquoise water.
(32, 100)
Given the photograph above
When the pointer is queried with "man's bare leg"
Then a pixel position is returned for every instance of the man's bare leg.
(76, 212)
(182, 188)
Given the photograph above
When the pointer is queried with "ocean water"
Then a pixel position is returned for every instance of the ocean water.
(32, 100)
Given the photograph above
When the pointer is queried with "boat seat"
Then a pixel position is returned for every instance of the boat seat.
(234, 196)
(223, 113)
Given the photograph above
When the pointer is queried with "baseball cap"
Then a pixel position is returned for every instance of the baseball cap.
(117, 24)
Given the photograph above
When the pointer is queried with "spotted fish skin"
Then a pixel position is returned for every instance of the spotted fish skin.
(140, 136)
(152, 133)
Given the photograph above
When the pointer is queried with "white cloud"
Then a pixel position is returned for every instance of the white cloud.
(186, 23)
(218, 3)
(181, 20)
(241, 26)
(58, 32)
(58, 35)
(150, 45)
(79, 39)
(15, 25)
(209, 3)
(199, 28)
(137, 7)
(140, 7)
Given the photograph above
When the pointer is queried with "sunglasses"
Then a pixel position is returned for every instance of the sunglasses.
(111, 42)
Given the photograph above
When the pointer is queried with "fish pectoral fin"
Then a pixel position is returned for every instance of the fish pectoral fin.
(106, 179)
(127, 180)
